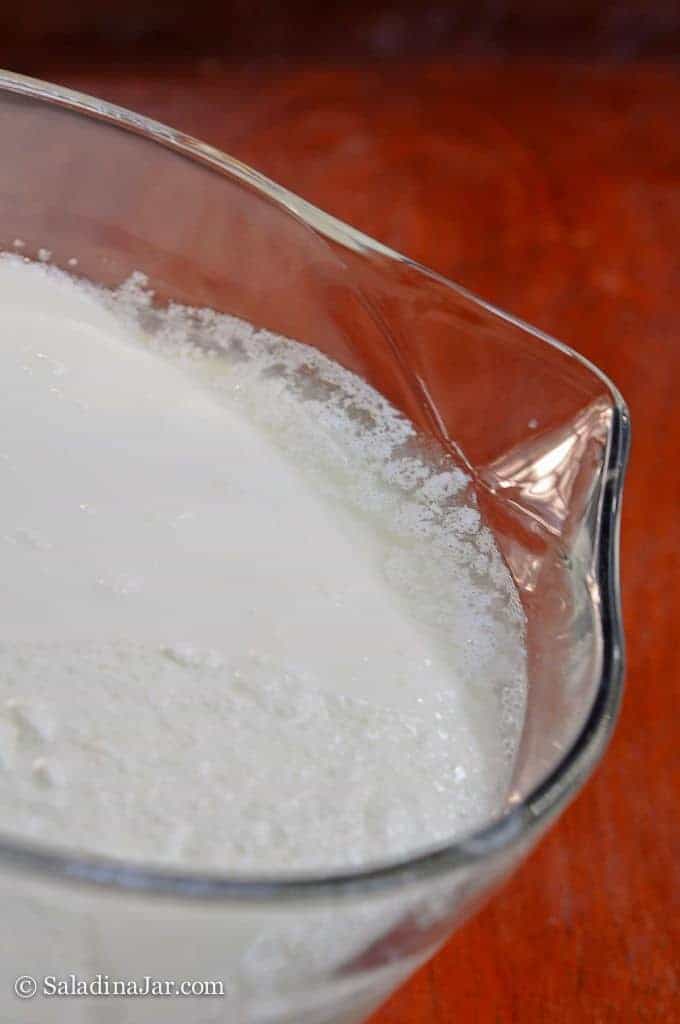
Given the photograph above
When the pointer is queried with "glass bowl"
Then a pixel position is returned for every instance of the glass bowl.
(545, 436)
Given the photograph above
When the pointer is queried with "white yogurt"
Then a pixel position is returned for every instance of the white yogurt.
(248, 622)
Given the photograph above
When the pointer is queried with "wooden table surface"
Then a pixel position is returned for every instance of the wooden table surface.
(554, 191)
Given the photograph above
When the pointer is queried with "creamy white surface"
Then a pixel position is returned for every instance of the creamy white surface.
(228, 640)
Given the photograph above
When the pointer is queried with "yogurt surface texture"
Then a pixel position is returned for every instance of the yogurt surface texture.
(250, 621)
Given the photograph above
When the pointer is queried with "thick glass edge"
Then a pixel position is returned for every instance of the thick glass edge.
(549, 797)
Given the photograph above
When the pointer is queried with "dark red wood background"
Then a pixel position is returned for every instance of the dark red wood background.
(553, 190)
(139, 30)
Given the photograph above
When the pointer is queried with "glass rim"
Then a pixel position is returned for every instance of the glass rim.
(533, 811)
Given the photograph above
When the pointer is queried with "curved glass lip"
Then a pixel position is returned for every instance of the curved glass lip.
(534, 811)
